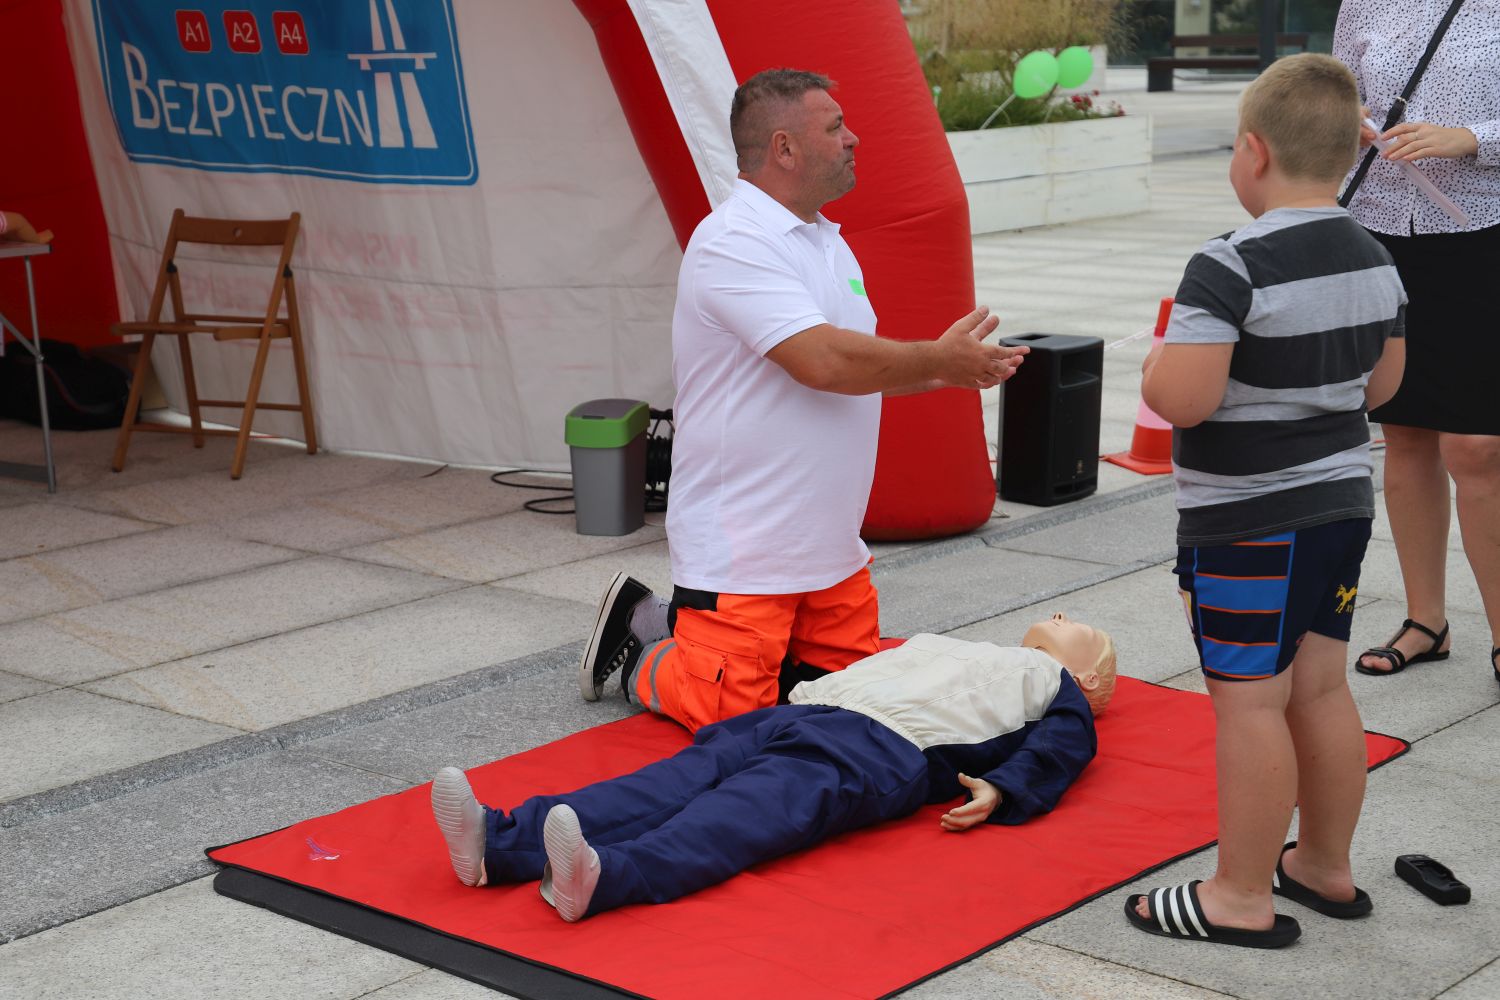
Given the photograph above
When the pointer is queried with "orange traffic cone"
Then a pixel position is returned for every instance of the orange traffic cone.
(1150, 451)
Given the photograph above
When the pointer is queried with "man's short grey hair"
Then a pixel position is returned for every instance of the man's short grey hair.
(761, 106)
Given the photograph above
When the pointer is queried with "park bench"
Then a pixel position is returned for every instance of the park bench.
(1159, 68)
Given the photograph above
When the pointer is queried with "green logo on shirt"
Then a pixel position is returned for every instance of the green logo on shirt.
(857, 285)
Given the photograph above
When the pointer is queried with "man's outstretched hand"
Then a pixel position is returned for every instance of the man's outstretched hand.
(19, 230)
(968, 362)
(976, 810)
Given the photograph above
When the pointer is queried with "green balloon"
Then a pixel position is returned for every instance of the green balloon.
(1074, 65)
(1035, 74)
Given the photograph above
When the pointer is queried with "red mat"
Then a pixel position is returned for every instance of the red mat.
(863, 915)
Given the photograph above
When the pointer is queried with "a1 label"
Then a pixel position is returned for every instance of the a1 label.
(192, 31)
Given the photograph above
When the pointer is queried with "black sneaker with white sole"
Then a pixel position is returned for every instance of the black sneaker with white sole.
(612, 646)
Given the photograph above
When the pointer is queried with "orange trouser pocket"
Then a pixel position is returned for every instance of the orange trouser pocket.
(715, 670)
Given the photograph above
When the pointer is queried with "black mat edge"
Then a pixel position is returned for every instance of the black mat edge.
(477, 963)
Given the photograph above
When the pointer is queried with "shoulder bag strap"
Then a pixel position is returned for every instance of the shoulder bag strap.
(1398, 106)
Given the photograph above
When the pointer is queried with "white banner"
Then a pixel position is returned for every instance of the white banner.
(481, 247)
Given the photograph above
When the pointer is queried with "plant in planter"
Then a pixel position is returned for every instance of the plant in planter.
(991, 63)
(982, 57)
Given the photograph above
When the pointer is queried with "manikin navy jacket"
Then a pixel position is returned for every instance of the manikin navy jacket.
(1012, 716)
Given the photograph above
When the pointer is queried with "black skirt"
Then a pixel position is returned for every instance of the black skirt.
(1452, 380)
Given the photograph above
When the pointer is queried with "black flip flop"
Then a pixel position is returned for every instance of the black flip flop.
(1284, 885)
(1399, 660)
(1175, 913)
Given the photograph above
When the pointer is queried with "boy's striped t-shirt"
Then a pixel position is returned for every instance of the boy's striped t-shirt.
(1308, 298)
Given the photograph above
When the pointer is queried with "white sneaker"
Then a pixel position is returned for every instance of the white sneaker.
(574, 864)
(461, 819)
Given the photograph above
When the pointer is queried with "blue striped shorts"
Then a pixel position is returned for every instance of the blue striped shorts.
(1249, 603)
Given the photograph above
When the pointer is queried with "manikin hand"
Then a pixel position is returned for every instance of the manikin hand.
(976, 810)
(1412, 141)
(968, 362)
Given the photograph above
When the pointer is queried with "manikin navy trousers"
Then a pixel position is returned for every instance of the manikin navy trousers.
(749, 789)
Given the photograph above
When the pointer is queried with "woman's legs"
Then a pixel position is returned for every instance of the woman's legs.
(1417, 500)
(1473, 460)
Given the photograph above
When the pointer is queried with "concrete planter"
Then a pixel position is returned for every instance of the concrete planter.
(1040, 175)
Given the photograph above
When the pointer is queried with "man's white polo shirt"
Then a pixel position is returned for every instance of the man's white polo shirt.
(770, 479)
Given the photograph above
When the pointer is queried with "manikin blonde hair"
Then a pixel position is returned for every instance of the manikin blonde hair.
(1104, 666)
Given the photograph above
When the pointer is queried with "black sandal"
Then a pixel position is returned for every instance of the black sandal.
(1283, 884)
(1397, 659)
(1495, 662)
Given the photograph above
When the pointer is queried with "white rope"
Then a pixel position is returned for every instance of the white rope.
(1146, 332)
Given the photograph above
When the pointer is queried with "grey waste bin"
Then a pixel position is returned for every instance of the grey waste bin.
(607, 439)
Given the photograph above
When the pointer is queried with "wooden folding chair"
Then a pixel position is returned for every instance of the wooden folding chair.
(271, 326)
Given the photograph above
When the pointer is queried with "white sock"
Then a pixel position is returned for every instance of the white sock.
(648, 619)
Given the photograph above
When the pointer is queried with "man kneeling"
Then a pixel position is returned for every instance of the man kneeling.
(893, 732)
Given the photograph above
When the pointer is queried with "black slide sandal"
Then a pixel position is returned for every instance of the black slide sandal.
(1284, 885)
(1175, 913)
(1397, 659)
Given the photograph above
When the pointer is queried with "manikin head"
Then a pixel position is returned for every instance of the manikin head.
(1298, 133)
(1086, 652)
(791, 140)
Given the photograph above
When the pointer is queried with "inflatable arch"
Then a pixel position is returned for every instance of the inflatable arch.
(484, 246)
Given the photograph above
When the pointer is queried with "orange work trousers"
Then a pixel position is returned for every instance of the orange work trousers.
(727, 651)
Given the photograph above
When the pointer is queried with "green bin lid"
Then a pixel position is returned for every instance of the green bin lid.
(606, 423)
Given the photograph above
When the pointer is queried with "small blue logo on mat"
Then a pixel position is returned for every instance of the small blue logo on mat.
(361, 90)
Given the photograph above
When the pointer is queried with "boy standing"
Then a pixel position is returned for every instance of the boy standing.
(1283, 333)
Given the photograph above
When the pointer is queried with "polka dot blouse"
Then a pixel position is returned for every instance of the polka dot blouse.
(1381, 41)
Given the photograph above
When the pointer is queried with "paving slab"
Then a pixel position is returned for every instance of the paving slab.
(971, 584)
(1482, 985)
(82, 458)
(533, 707)
(1427, 697)
(431, 984)
(47, 649)
(1141, 531)
(81, 575)
(29, 528)
(1381, 577)
(273, 483)
(1022, 969)
(296, 674)
(153, 837)
(13, 686)
(189, 943)
(61, 736)
(500, 547)
(182, 621)
(368, 514)
(583, 580)
(1405, 812)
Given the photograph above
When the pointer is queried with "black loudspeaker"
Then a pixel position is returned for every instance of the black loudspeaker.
(1049, 422)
